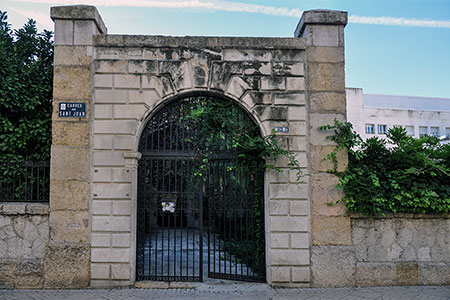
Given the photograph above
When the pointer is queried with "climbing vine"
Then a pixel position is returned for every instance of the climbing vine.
(399, 174)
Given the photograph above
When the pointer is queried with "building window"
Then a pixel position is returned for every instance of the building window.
(434, 131)
(381, 129)
(409, 130)
(370, 128)
(423, 130)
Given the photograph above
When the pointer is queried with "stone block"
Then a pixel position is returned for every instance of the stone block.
(289, 257)
(111, 223)
(278, 207)
(116, 127)
(288, 55)
(124, 142)
(69, 163)
(37, 209)
(69, 226)
(288, 224)
(333, 267)
(326, 77)
(237, 87)
(114, 255)
(70, 133)
(246, 55)
(102, 175)
(160, 54)
(100, 240)
(318, 137)
(325, 35)
(69, 195)
(222, 72)
(162, 85)
(121, 240)
(103, 81)
(300, 240)
(301, 274)
(67, 266)
(331, 231)
(122, 174)
(273, 83)
(325, 54)
(110, 96)
(149, 97)
(252, 98)
(142, 67)
(110, 66)
(179, 71)
(279, 177)
(288, 69)
(127, 81)
(151, 285)
(7, 273)
(289, 98)
(64, 32)
(111, 191)
(101, 207)
(103, 112)
(407, 273)
(256, 68)
(272, 113)
(298, 128)
(298, 208)
(121, 207)
(296, 113)
(280, 274)
(120, 271)
(320, 162)
(279, 240)
(434, 273)
(288, 191)
(83, 32)
(136, 111)
(103, 142)
(117, 52)
(72, 82)
(72, 56)
(100, 271)
(14, 209)
(327, 102)
(323, 192)
(295, 84)
(109, 158)
(376, 274)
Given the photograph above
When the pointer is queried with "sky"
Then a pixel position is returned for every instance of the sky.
(398, 47)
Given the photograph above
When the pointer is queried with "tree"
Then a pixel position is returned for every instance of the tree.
(26, 76)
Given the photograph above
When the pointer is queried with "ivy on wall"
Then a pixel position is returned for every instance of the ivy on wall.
(400, 174)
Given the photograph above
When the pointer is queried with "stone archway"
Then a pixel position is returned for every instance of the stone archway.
(200, 210)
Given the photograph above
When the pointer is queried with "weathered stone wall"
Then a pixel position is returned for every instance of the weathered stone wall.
(24, 234)
(134, 75)
(397, 250)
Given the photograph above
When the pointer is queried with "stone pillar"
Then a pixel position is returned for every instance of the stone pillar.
(325, 93)
(68, 253)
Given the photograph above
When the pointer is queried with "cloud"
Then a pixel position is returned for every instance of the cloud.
(225, 5)
(40, 18)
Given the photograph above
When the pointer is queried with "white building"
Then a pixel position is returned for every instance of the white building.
(372, 114)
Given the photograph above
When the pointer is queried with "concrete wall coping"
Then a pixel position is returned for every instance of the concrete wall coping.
(402, 216)
(320, 17)
(78, 12)
(198, 41)
(22, 208)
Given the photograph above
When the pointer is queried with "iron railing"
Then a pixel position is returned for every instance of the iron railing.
(25, 181)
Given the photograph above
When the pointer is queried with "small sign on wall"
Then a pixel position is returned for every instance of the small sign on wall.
(72, 110)
(283, 129)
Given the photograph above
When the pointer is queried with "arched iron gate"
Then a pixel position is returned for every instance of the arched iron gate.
(196, 214)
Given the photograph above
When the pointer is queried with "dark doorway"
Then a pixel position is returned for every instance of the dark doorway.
(200, 208)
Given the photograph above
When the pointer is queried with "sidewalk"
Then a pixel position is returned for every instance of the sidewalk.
(235, 291)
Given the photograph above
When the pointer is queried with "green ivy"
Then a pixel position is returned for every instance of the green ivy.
(399, 174)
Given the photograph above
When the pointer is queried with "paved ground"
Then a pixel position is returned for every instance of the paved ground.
(231, 291)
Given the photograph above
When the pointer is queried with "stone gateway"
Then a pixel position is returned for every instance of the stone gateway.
(104, 183)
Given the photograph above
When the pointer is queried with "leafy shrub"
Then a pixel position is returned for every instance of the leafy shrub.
(400, 174)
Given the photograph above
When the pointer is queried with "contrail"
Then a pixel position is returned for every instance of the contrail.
(225, 5)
